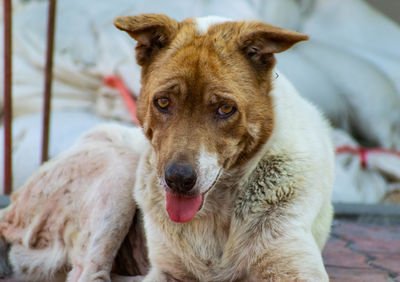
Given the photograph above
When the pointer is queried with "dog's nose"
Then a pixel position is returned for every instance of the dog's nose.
(180, 177)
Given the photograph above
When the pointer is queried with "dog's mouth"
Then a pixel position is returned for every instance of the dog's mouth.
(183, 208)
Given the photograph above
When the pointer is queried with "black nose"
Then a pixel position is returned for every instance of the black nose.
(180, 177)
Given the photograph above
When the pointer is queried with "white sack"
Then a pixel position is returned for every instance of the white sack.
(370, 184)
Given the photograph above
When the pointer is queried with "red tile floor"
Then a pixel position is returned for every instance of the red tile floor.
(363, 252)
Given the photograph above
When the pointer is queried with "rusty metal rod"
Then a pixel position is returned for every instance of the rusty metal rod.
(48, 79)
(7, 97)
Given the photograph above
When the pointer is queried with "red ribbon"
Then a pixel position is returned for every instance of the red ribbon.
(126, 95)
(364, 152)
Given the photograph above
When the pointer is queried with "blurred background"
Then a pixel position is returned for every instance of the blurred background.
(350, 68)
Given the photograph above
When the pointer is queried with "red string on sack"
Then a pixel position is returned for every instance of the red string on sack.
(364, 152)
(129, 100)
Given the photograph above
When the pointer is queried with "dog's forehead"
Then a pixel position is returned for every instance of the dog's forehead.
(198, 69)
(203, 55)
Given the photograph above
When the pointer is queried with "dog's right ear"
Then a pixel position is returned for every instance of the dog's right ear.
(151, 31)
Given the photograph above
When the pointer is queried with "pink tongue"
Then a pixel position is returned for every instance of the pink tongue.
(181, 209)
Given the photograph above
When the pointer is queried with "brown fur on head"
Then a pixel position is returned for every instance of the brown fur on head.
(215, 85)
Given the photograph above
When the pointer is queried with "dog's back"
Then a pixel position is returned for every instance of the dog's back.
(71, 216)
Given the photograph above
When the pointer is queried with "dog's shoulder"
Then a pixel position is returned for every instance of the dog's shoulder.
(291, 164)
(271, 183)
(300, 126)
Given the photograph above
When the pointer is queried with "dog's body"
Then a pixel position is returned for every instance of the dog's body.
(267, 220)
(72, 215)
(236, 170)
(259, 207)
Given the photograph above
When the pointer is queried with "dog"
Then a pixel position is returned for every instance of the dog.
(236, 179)
(233, 172)
(69, 219)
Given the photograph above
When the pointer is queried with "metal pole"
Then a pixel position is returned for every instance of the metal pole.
(7, 97)
(48, 80)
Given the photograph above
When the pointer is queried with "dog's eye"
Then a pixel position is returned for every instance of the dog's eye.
(226, 111)
(162, 103)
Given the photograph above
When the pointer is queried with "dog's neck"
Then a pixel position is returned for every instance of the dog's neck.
(243, 180)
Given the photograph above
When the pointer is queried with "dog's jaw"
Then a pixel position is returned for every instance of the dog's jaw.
(183, 208)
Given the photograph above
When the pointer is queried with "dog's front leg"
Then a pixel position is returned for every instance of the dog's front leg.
(289, 259)
(109, 214)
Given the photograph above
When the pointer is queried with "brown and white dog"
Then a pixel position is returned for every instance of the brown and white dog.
(235, 172)
(235, 182)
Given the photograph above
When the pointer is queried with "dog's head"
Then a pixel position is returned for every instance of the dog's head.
(204, 103)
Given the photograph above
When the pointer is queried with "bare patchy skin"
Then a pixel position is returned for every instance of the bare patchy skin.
(72, 215)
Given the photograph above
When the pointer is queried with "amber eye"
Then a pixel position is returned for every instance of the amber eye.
(162, 103)
(226, 111)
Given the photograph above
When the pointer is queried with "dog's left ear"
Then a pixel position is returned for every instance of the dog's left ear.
(259, 41)
(152, 32)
